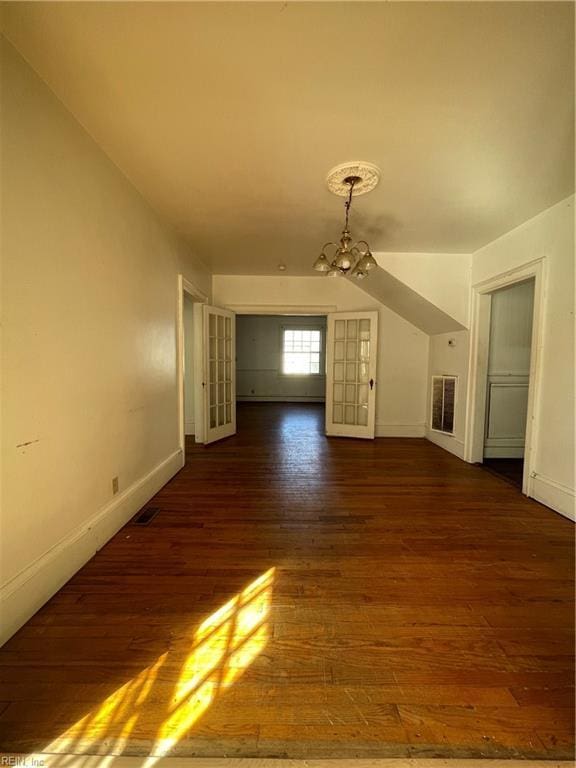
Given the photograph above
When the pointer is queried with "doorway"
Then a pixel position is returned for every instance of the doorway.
(508, 379)
(327, 358)
(189, 363)
(503, 388)
(280, 358)
(189, 426)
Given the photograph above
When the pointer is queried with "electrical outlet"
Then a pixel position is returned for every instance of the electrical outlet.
(114, 485)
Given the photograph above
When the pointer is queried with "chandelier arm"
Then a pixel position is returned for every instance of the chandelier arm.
(331, 256)
(360, 242)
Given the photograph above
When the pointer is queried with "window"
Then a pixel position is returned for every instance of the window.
(443, 403)
(301, 349)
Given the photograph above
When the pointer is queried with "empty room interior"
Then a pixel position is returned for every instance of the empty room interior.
(288, 424)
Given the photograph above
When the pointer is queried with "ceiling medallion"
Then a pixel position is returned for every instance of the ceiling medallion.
(348, 257)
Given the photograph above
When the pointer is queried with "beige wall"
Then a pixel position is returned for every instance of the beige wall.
(89, 344)
(403, 348)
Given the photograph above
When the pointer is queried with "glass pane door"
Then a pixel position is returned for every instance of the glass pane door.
(220, 384)
(351, 371)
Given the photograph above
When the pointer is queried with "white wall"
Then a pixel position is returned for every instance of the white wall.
(449, 360)
(259, 360)
(549, 235)
(89, 300)
(188, 318)
(441, 278)
(403, 348)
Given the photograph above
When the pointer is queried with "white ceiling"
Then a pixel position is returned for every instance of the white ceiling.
(227, 116)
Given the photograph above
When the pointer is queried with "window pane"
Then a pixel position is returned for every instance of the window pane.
(301, 352)
(296, 362)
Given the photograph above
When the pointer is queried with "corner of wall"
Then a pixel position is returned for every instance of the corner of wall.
(27, 592)
(448, 442)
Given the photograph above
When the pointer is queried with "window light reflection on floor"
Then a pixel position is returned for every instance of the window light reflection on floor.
(224, 646)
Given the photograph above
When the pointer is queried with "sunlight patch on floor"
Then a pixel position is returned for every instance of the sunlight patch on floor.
(223, 647)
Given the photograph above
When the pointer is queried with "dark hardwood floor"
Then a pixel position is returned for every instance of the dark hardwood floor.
(299, 596)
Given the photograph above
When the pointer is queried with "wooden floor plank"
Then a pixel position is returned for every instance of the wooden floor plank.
(303, 597)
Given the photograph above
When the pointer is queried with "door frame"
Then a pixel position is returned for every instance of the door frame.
(481, 308)
(294, 310)
(185, 286)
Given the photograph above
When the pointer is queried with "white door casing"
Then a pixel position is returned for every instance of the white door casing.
(480, 312)
(351, 349)
(219, 381)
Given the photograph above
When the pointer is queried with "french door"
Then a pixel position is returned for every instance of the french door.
(219, 380)
(351, 347)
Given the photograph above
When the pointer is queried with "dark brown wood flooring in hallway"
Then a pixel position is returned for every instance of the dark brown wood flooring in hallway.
(298, 596)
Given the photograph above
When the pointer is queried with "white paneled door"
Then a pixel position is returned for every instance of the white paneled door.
(351, 347)
(219, 374)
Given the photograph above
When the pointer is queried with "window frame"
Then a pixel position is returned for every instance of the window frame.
(322, 361)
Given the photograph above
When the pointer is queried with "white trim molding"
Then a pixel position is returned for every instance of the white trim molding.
(557, 496)
(478, 363)
(281, 309)
(400, 430)
(27, 592)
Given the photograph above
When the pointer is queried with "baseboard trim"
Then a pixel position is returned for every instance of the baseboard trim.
(27, 592)
(280, 399)
(189, 428)
(558, 497)
(504, 451)
(447, 442)
(400, 430)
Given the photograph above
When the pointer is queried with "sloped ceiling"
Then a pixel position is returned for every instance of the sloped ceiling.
(227, 116)
(408, 303)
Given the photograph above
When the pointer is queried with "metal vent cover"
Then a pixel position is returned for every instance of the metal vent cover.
(145, 516)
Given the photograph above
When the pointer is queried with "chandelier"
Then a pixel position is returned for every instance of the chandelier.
(348, 257)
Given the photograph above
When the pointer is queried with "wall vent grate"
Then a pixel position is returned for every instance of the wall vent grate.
(443, 403)
(145, 516)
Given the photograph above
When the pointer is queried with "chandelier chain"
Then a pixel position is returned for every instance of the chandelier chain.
(348, 202)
